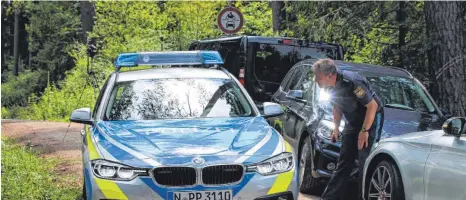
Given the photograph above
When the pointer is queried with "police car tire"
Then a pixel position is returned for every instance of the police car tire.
(397, 190)
(309, 184)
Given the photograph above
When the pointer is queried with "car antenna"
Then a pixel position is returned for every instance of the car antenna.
(91, 53)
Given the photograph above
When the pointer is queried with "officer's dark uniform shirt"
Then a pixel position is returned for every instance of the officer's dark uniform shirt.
(352, 93)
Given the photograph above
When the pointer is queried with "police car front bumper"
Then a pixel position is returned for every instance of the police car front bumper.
(252, 186)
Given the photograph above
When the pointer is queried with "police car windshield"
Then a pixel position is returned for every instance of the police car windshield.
(176, 99)
(395, 92)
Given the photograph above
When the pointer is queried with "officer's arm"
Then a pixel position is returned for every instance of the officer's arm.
(370, 114)
(364, 96)
(336, 116)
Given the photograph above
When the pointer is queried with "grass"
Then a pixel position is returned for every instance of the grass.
(26, 176)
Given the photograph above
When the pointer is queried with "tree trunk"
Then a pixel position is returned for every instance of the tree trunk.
(444, 26)
(15, 43)
(402, 30)
(4, 38)
(87, 17)
(278, 15)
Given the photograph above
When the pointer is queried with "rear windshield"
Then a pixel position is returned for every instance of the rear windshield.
(273, 61)
(176, 99)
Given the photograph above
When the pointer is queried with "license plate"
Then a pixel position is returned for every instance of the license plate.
(203, 195)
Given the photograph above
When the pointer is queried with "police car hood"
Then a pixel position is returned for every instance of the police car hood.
(178, 141)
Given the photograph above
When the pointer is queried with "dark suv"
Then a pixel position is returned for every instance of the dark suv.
(260, 63)
(308, 120)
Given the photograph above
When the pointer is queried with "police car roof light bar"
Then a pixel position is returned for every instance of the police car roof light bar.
(168, 58)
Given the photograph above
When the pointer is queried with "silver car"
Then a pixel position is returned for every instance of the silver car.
(421, 165)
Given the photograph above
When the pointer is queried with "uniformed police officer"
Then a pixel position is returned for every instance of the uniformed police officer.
(352, 97)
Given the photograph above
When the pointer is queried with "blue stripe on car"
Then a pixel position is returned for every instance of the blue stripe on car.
(267, 149)
(119, 153)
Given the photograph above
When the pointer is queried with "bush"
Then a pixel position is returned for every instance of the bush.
(16, 90)
(25, 176)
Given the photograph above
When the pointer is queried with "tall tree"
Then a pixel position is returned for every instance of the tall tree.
(402, 31)
(16, 42)
(87, 17)
(445, 31)
(279, 15)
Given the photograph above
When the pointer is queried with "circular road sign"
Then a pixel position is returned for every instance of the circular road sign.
(230, 20)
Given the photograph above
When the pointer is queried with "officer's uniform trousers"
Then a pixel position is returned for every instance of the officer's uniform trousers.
(349, 152)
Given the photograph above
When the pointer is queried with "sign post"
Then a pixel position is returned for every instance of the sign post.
(230, 20)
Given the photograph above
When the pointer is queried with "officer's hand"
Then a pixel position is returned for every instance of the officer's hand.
(362, 139)
(334, 136)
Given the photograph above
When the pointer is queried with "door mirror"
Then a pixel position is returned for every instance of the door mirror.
(272, 109)
(82, 116)
(296, 95)
(454, 126)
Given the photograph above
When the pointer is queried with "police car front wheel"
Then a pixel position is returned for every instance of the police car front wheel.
(308, 184)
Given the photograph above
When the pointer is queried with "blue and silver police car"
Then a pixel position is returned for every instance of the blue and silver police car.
(185, 129)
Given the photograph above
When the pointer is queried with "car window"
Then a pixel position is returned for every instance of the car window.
(229, 50)
(401, 92)
(316, 53)
(294, 79)
(306, 85)
(396, 92)
(176, 99)
(272, 62)
(287, 78)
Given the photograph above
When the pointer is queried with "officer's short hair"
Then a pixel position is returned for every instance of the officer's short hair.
(325, 66)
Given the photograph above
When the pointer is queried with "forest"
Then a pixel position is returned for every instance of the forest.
(46, 73)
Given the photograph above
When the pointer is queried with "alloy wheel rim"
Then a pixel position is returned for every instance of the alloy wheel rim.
(380, 186)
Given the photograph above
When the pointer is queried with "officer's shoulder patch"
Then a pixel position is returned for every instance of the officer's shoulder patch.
(359, 92)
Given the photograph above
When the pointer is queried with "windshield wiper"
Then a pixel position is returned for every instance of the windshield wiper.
(398, 106)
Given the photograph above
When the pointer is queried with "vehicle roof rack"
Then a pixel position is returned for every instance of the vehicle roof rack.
(168, 58)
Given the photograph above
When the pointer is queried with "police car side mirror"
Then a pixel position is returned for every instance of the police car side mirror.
(297, 95)
(455, 126)
(272, 109)
(82, 116)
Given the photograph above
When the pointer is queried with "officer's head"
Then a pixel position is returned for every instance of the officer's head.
(325, 72)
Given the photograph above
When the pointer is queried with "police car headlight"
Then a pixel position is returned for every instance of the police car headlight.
(114, 171)
(278, 164)
(325, 128)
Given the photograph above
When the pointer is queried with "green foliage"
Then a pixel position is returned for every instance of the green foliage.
(257, 16)
(51, 27)
(369, 30)
(57, 105)
(188, 21)
(128, 26)
(15, 92)
(25, 176)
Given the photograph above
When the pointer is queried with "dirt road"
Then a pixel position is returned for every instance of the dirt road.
(48, 138)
